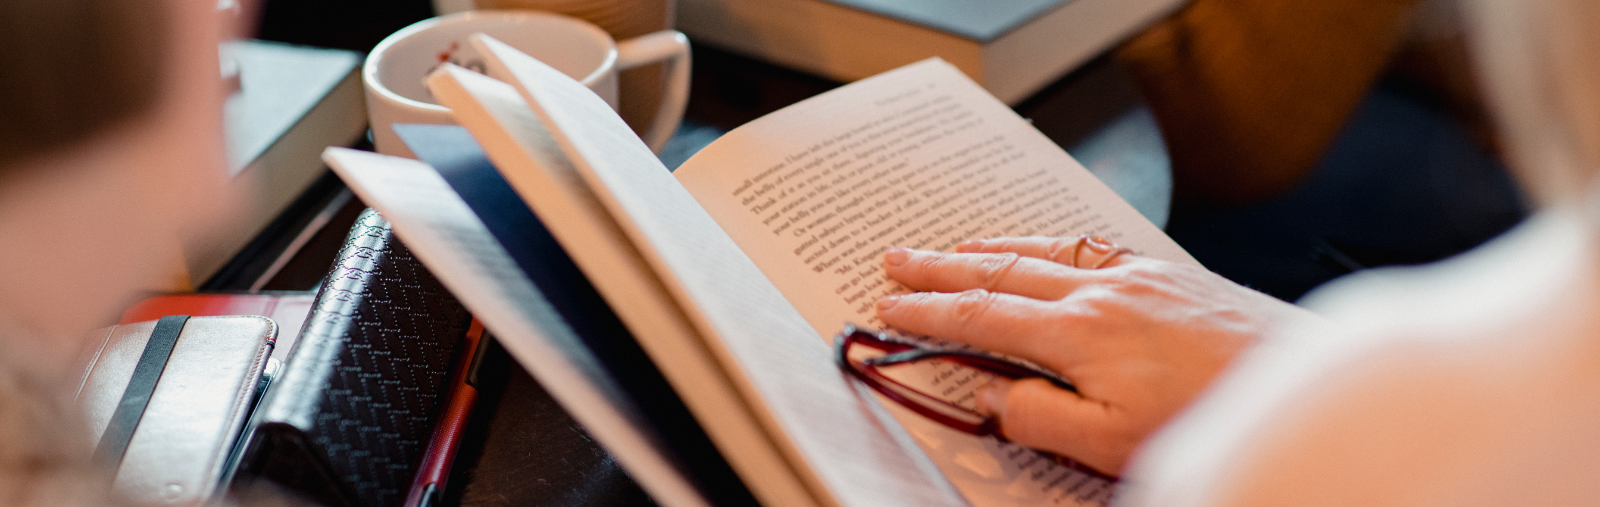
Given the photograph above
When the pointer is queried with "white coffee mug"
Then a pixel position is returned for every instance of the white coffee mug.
(396, 68)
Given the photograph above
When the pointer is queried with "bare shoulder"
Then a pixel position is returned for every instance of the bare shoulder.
(1474, 386)
(1430, 424)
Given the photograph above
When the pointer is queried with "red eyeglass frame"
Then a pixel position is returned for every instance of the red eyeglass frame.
(900, 351)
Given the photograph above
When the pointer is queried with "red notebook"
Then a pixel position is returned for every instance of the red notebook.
(289, 310)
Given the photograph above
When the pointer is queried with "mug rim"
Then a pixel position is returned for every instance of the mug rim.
(369, 68)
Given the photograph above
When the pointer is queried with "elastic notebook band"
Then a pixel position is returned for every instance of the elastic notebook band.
(114, 442)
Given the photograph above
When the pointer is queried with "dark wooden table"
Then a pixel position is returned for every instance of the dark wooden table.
(521, 448)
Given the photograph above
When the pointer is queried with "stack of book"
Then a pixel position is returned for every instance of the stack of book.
(1012, 47)
(293, 101)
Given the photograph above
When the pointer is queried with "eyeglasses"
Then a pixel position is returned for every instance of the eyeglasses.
(865, 354)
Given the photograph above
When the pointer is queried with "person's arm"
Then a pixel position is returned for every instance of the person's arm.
(1140, 337)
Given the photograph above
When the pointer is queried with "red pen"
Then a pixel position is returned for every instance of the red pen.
(427, 489)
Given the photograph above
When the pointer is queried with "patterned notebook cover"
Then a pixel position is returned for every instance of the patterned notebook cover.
(349, 420)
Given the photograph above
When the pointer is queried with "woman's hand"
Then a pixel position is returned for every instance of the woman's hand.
(1140, 337)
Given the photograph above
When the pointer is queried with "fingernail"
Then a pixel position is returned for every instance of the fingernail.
(888, 302)
(992, 397)
(897, 256)
(971, 245)
(1099, 244)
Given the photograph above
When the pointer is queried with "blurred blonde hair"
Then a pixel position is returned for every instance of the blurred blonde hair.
(1539, 63)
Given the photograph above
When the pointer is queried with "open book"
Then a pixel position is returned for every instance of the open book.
(733, 276)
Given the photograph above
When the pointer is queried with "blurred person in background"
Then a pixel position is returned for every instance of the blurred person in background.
(1314, 138)
(1473, 381)
(110, 149)
(1251, 94)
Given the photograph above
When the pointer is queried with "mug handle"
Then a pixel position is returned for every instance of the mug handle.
(673, 47)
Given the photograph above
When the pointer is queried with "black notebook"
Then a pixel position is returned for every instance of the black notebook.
(350, 418)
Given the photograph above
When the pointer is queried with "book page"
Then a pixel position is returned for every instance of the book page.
(522, 150)
(918, 157)
(456, 155)
(836, 446)
(445, 234)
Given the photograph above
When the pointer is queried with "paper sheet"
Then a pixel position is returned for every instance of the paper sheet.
(444, 233)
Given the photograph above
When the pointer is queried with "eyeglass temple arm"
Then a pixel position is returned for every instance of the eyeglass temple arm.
(984, 362)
